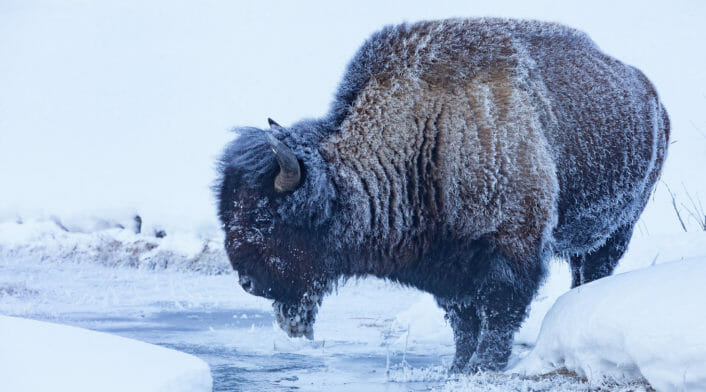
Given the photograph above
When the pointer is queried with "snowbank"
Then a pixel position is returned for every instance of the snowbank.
(40, 356)
(645, 323)
(113, 246)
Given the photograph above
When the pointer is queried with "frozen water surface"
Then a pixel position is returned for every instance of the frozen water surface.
(236, 334)
(230, 341)
(211, 317)
(241, 344)
(370, 335)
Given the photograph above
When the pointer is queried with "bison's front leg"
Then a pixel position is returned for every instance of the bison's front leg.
(466, 325)
(502, 303)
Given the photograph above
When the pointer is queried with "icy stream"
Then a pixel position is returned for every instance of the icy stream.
(212, 318)
(370, 336)
(205, 333)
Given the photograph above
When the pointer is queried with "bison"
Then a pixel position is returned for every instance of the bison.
(458, 157)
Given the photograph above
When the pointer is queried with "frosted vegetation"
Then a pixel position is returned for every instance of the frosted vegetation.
(113, 246)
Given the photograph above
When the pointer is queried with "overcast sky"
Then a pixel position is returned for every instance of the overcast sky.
(109, 108)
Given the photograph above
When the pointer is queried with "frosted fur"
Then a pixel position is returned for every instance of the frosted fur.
(457, 157)
(524, 82)
(476, 169)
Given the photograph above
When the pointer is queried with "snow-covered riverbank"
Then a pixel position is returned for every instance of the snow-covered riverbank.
(41, 356)
(370, 334)
(645, 323)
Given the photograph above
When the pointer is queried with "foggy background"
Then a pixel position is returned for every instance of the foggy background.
(113, 108)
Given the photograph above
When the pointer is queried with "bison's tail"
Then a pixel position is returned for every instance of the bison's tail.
(666, 125)
(663, 134)
(660, 145)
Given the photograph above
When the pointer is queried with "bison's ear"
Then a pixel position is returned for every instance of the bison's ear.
(273, 123)
(289, 172)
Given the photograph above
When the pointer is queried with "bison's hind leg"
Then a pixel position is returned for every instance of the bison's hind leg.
(602, 261)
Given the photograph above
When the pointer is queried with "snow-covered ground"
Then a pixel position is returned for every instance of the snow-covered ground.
(41, 356)
(370, 334)
(646, 323)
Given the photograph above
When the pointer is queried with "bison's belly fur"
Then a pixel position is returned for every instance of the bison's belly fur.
(458, 157)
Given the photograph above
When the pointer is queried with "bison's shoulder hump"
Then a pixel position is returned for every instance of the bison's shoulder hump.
(452, 47)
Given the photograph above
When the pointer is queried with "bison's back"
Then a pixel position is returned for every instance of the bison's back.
(441, 142)
(465, 127)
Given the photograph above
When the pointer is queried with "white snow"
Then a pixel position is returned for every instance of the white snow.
(647, 323)
(112, 246)
(41, 356)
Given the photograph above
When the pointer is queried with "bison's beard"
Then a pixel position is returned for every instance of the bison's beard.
(297, 319)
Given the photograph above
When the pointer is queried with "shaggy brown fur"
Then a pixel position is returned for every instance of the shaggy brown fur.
(443, 161)
(458, 157)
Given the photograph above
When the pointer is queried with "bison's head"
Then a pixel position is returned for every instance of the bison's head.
(274, 202)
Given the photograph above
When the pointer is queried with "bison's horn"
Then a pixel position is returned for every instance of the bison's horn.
(273, 123)
(289, 173)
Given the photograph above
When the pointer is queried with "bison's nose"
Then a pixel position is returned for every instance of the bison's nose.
(246, 283)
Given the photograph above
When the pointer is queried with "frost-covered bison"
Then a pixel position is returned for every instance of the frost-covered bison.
(458, 156)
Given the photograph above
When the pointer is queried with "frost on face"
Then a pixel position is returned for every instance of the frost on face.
(298, 320)
(252, 224)
(278, 264)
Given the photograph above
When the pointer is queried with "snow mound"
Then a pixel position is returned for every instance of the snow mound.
(647, 323)
(41, 356)
(112, 246)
